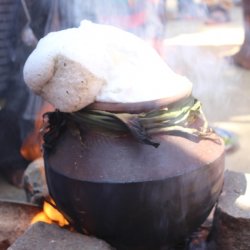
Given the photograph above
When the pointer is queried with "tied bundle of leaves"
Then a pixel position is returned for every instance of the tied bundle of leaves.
(179, 118)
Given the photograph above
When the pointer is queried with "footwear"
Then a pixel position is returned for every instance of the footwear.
(229, 138)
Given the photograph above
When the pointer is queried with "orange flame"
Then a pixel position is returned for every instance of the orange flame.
(50, 215)
(31, 147)
(31, 150)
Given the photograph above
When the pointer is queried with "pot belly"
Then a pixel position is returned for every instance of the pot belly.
(132, 194)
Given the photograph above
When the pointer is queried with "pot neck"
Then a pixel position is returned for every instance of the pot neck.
(140, 107)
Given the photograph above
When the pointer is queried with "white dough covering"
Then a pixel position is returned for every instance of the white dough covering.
(75, 67)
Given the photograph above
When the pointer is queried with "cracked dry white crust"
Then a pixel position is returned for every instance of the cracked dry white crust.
(70, 87)
(74, 67)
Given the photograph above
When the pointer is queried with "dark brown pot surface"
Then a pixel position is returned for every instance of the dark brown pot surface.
(132, 194)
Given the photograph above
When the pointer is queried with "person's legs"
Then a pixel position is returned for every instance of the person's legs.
(187, 9)
(242, 58)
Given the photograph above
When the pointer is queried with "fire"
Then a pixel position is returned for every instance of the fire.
(31, 147)
(50, 215)
(31, 150)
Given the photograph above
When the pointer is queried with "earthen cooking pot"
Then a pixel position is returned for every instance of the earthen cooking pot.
(131, 194)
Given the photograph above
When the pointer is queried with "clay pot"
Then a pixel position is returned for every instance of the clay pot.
(131, 194)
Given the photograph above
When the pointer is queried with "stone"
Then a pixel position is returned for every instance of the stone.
(15, 218)
(34, 182)
(51, 237)
(232, 215)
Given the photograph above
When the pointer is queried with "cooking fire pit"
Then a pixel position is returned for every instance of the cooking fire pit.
(128, 155)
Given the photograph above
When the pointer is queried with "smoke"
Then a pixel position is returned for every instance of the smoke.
(143, 18)
(215, 80)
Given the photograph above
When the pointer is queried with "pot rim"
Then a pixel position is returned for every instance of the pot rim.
(139, 107)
